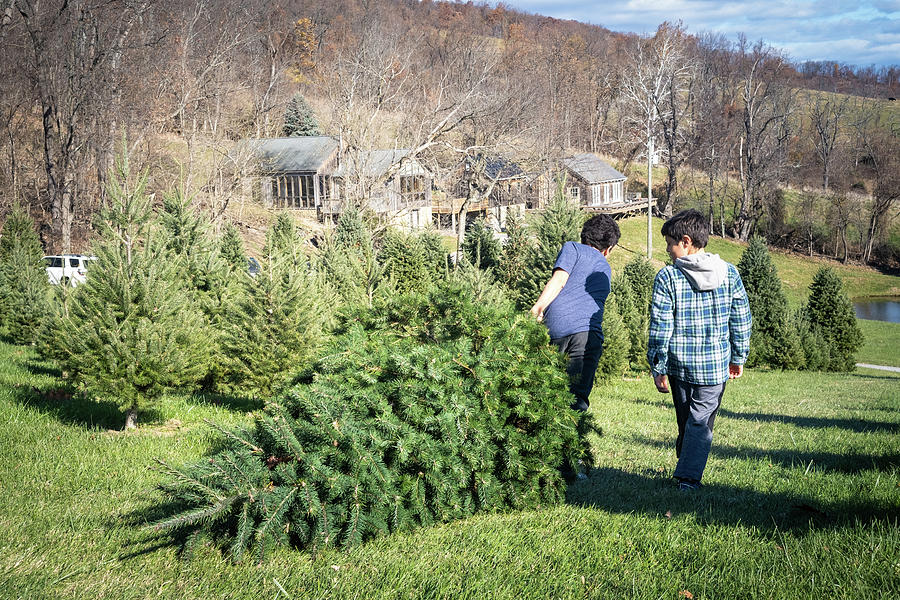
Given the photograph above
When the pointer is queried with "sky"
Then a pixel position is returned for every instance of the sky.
(855, 32)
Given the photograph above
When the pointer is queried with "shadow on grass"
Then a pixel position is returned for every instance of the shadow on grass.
(74, 408)
(820, 461)
(619, 491)
(855, 425)
(232, 403)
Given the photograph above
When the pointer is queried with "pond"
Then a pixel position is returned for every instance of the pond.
(878, 309)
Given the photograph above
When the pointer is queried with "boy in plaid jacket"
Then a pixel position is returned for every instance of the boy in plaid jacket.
(699, 337)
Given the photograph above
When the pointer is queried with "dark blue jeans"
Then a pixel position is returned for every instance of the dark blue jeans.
(583, 350)
(695, 410)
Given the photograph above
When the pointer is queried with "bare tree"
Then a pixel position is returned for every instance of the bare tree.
(658, 90)
(75, 50)
(826, 113)
(767, 105)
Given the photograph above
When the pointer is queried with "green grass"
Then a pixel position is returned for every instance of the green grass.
(796, 271)
(801, 500)
(882, 343)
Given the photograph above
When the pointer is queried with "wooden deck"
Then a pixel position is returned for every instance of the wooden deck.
(636, 205)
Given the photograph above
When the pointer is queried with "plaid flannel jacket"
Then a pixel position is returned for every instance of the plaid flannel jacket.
(695, 335)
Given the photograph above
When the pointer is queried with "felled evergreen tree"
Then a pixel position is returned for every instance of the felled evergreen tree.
(829, 310)
(274, 327)
(480, 247)
(24, 289)
(131, 332)
(561, 222)
(428, 408)
(299, 119)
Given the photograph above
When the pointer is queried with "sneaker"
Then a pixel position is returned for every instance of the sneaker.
(686, 485)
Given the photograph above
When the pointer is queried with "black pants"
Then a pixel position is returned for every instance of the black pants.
(583, 349)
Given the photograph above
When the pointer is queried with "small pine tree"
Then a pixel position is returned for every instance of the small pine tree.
(561, 222)
(480, 247)
(410, 261)
(231, 249)
(19, 232)
(131, 332)
(511, 264)
(299, 119)
(829, 310)
(633, 293)
(616, 343)
(349, 262)
(24, 290)
(275, 326)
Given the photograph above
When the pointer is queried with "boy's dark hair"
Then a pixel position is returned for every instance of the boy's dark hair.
(601, 232)
(691, 223)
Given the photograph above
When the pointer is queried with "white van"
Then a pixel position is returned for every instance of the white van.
(67, 269)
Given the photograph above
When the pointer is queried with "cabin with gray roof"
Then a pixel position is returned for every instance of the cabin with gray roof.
(390, 182)
(593, 182)
(296, 171)
(309, 173)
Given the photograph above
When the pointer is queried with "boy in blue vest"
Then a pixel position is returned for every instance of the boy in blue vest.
(571, 305)
(699, 337)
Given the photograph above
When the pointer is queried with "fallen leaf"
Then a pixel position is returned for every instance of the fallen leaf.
(685, 594)
(668, 514)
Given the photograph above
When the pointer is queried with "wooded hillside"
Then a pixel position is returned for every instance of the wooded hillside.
(181, 83)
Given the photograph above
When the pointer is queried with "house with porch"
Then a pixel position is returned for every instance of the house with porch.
(592, 182)
(503, 181)
(311, 174)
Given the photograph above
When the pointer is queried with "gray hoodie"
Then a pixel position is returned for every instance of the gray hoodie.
(703, 270)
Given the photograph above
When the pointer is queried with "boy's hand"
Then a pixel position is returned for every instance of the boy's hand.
(538, 312)
(662, 383)
(735, 371)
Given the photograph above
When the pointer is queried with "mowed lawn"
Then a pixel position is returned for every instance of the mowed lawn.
(801, 500)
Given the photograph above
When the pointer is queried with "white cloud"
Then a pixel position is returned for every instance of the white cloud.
(848, 31)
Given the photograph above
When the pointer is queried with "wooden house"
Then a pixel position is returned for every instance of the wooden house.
(310, 174)
(295, 172)
(390, 182)
(508, 189)
(592, 182)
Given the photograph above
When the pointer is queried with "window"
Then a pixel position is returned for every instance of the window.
(412, 189)
(294, 191)
(54, 261)
(575, 193)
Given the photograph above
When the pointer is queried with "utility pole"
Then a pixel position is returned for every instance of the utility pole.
(649, 193)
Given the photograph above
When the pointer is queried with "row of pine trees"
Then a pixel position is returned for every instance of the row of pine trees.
(399, 389)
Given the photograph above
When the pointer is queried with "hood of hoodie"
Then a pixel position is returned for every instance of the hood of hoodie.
(703, 270)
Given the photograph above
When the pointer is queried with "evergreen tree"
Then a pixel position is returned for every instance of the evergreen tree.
(299, 119)
(480, 247)
(829, 310)
(131, 333)
(633, 294)
(616, 343)
(24, 290)
(200, 268)
(274, 327)
(231, 249)
(561, 222)
(19, 232)
(511, 264)
(410, 260)
(426, 409)
(349, 262)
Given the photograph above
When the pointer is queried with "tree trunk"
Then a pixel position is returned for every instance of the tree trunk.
(131, 419)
